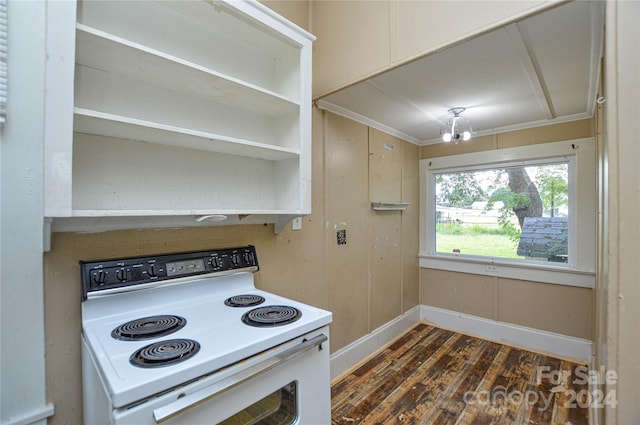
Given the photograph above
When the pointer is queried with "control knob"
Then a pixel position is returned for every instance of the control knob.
(121, 275)
(235, 259)
(100, 277)
(151, 271)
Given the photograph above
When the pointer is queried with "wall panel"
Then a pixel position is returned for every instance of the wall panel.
(410, 225)
(560, 309)
(385, 263)
(385, 167)
(424, 26)
(352, 41)
(466, 293)
(555, 308)
(385, 250)
(347, 209)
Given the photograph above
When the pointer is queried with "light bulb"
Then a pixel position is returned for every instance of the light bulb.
(446, 137)
(466, 136)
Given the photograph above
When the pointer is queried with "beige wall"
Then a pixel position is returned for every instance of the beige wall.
(555, 308)
(561, 309)
(550, 133)
(365, 283)
(358, 39)
(373, 277)
(297, 11)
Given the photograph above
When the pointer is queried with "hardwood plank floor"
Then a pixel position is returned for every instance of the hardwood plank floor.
(435, 376)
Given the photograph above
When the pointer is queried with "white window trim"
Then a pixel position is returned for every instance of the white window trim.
(579, 271)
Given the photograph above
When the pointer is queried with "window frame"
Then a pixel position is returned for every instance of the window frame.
(580, 268)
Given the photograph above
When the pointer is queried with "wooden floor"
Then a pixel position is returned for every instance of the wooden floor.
(435, 376)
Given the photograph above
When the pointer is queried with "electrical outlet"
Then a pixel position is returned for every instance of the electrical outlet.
(296, 223)
(342, 237)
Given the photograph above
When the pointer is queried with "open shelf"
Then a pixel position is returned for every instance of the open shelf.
(109, 53)
(119, 176)
(99, 123)
(215, 36)
(204, 108)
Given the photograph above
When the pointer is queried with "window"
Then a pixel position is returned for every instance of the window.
(503, 211)
(517, 212)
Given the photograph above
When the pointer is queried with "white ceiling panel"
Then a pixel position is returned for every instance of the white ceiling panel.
(541, 70)
(560, 43)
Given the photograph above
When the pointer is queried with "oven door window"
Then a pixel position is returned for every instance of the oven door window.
(278, 408)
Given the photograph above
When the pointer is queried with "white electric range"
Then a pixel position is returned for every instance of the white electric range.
(187, 338)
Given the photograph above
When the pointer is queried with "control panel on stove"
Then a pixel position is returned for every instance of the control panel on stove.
(109, 275)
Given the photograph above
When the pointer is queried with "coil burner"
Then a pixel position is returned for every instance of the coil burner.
(271, 315)
(244, 300)
(149, 327)
(165, 353)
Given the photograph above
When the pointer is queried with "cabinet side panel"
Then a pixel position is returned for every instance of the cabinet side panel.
(59, 108)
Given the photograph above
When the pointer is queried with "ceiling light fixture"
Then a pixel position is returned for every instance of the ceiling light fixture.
(455, 129)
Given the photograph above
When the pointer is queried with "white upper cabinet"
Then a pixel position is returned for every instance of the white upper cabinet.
(184, 108)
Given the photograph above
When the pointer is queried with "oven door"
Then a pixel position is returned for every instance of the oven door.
(289, 384)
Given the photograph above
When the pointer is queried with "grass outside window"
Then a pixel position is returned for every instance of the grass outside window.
(485, 241)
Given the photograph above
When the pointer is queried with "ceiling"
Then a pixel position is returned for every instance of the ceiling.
(540, 70)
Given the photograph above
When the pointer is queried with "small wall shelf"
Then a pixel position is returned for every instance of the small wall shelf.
(389, 206)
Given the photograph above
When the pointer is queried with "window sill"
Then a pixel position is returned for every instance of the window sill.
(557, 275)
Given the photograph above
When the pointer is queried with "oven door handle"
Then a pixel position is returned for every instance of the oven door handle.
(188, 401)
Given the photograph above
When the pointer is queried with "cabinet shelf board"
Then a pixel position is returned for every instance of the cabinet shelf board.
(87, 223)
(104, 124)
(193, 212)
(100, 50)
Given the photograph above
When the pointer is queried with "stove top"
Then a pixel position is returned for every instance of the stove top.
(151, 339)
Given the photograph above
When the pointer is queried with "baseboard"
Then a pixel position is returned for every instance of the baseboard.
(560, 345)
(38, 415)
(521, 336)
(350, 355)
